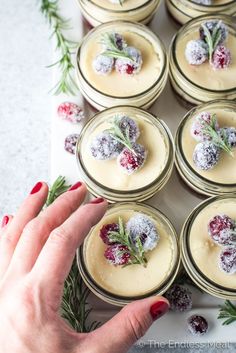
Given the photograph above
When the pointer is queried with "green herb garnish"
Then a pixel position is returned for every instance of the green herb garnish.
(135, 249)
(210, 130)
(120, 136)
(212, 39)
(66, 83)
(74, 308)
(112, 50)
(228, 312)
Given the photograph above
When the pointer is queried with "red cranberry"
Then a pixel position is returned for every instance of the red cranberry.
(71, 112)
(221, 57)
(180, 298)
(117, 254)
(197, 325)
(217, 224)
(228, 260)
(132, 160)
(70, 143)
(106, 229)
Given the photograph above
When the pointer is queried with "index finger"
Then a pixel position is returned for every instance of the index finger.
(55, 260)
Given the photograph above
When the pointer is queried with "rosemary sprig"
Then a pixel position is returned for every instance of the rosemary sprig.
(108, 40)
(212, 39)
(136, 251)
(59, 187)
(210, 130)
(74, 307)
(120, 136)
(228, 312)
(66, 83)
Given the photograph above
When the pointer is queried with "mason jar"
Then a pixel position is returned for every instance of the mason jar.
(120, 285)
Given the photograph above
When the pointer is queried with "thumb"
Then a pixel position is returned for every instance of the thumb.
(130, 324)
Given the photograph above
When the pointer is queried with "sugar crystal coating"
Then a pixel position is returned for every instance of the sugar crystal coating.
(70, 143)
(104, 146)
(227, 260)
(103, 65)
(221, 57)
(105, 230)
(71, 112)
(180, 298)
(129, 66)
(197, 128)
(206, 155)
(211, 26)
(131, 161)
(217, 225)
(142, 227)
(229, 133)
(197, 325)
(117, 254)
(129, 127)
(196, 52)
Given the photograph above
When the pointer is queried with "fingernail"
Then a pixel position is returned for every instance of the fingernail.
(36, 188)
(158, 309)
(75, 186)
(5, 220)
(98, 200)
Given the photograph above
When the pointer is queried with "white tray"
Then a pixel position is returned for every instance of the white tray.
(175, 200)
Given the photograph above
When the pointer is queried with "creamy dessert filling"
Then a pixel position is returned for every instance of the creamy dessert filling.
(206, 56)
(124, 153)
(209, 145)
(130, 259)
(212, 242)
(120, 5)
(124, 78)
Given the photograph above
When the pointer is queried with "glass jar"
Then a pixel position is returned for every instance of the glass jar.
(120, 285)
(200, 254)
(184, 10)
(97, 12)
(106, 178)
(141, 89)
(201, 83)
(222, 178)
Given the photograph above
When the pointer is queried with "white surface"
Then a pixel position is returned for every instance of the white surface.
(175, 200)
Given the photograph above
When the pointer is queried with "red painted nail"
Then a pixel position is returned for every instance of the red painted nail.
(5, 220)
(75, 186)
(158, 309)
(36, 188)
(98, 200)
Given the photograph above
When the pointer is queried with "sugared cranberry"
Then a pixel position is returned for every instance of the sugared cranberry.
(218, 224)
(114, 40)
(180, 298)
(117, 254)
(130, 65)
(229, 134)
(105, 230)
(213, 26)
(142, 227)
(129, 128)
(196, 52)
(200, 122)
(104, 146)
(103, 64)
(71, 112)
(206, 155)
(132, 160)
(197, 325)
(227, 237)
(228, 260)
(221, 57)
(70, 143)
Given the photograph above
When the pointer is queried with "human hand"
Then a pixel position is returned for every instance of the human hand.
(36, 253)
